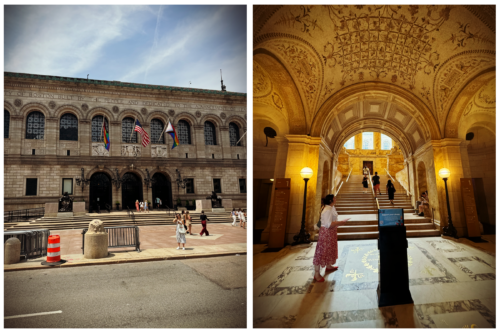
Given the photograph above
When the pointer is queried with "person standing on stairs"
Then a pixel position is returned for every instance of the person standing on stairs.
(376, 184)
(366, 171)
(390, 189)
(327, 246)
(365, 184)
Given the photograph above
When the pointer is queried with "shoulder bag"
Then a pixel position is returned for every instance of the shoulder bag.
(182, 230)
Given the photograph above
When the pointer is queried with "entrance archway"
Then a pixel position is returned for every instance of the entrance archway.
(162, 188)
(100, 191)
(131, 190)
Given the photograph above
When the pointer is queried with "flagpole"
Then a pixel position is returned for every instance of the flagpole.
(133, 130)
(241, 138)
(102, 128)
(162, 132)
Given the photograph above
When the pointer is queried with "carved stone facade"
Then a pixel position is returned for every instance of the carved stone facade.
(52, 161)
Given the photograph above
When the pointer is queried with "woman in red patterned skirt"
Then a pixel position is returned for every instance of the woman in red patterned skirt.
(327, 246)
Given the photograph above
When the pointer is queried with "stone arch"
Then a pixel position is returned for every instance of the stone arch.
(9, 107)
(96, 169)
(130, 113)
(238, 120)
(68, 108)
(100, 111)
(213, 118)
(27, 108)
(158, 115)
(137, 172)
(421, 178)
(187, 117)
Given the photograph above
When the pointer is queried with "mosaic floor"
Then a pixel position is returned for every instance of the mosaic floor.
(452, 285)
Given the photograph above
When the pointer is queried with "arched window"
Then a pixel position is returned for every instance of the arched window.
(349, 144)
(157, 131)
(367, 140)
(35, 125)
(127, 130)
(68, 127)
(210, 134)
(234, 135)
(6, 123)
(386, 142)
(97, 130)
(183, 132)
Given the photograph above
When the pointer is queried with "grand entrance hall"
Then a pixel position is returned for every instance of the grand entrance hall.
(404, 91)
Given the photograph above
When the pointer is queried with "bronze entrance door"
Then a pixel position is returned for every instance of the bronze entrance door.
(369, 165)
(162, 188)
(131, 190)
(100, 192)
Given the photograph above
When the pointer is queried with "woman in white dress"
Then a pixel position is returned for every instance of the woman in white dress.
(180, 232)
(233, 215)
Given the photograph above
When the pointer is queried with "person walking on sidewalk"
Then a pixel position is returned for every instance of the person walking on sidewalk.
(180, 232)
(188, 222)
(327, 246)
(137, 205)
(390, 189)
(204, 220)
(365, 184)
(146, 208)
(376, 184)
(234, 214)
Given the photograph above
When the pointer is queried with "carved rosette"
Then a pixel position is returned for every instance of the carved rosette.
(144, 111)
(52, 104)
(223, 115)
(115, 109)
(198, 114)
(159, 151)
(131, 150)
(171, 113)
(18, 103)
(98, 149)
(85, 107)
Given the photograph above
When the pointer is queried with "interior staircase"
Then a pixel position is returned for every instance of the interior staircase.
(362, 209)
(113, 219)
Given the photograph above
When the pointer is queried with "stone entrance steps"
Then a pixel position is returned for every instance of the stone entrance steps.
(111, 220)
(362, 209)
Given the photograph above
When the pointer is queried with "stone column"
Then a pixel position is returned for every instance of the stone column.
(115, 138)
(96, 241)
(199, 137)
(50, 135)
(16, 135)
(225, 143)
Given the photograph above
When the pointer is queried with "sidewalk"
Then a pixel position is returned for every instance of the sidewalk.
(157, 243)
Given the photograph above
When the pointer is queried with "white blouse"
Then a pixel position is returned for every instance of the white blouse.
(328, 216)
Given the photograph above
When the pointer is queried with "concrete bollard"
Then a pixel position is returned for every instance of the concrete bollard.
(12, 252)
(96, 241)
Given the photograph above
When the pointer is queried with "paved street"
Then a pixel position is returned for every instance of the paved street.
(197, 293)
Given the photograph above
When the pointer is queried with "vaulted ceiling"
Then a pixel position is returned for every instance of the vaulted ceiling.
(327, 68)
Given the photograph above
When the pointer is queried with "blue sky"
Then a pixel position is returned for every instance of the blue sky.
(164, 45)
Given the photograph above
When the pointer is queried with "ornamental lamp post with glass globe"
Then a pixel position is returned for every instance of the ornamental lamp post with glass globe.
(449, 230)
(303, 237)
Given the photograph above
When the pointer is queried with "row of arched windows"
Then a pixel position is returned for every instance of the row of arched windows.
(68, 129)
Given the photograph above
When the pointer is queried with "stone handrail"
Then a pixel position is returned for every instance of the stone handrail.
(407, 192)
(349, 175)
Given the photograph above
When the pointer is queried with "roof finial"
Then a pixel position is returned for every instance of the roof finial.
(222, 86)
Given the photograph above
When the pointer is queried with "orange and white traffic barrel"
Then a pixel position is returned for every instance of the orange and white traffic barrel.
(54, 249)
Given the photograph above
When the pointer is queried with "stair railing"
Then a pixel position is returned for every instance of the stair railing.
(373, 192)
(338, 188)
(408, 194)
(349, 175)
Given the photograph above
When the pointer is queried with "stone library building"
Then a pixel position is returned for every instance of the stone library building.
(54, 143)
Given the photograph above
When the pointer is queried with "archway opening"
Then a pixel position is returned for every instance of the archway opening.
(162, 191)
(131, 190)
(481, 153)
(100, 192)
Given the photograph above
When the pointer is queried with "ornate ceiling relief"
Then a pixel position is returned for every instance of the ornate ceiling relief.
(304, 66)
(262, 85)
(299, 19)
(483, 101)
(453, 75)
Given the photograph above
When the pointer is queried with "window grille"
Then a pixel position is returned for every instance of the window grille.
(35, 126)
(367, 140)
(156, 131)
(210, 134)
(127, 128)
(183, 132)
(386, 142)
(6, 123)
(31, 185)
(97, 130)
(68, 127)
(190, 185)
(234, 134)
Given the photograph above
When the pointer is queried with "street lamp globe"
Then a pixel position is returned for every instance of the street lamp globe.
(306, 173)
(444, 173)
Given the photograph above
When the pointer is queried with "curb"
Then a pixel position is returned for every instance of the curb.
(180, 257)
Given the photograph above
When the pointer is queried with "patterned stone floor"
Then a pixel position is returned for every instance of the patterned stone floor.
(452, 285)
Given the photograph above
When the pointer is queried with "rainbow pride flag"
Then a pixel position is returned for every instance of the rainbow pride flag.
(171, 130)
(106, 134)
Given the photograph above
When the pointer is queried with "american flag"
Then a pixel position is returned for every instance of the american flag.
(145, 136)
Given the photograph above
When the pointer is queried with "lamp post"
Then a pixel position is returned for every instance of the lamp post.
(81, 180)
(181, 183)
(303, 236)
(449, 230)
(148, 181)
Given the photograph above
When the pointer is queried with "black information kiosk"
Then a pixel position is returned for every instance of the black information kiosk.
(394, 284)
